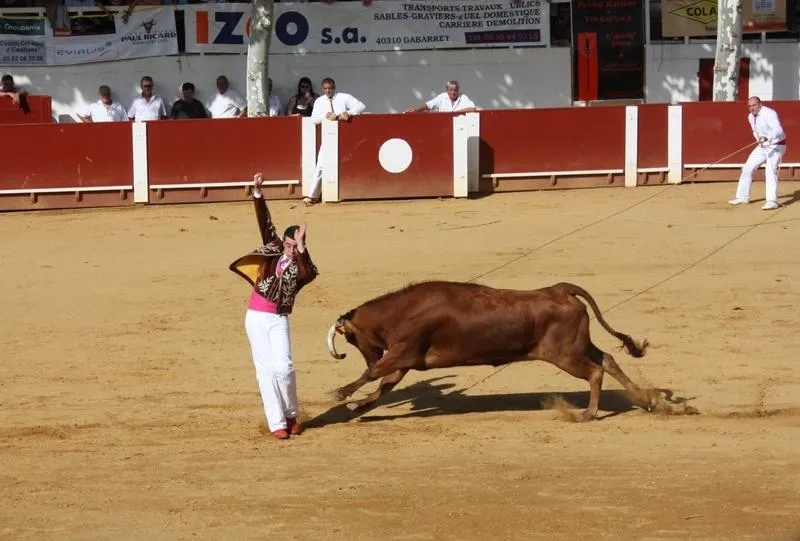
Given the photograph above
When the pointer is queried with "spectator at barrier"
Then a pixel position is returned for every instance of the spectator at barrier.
(188, 106)
(336, 107)
(56, 13)
(449, 101)
(227, 103)
(10, 90)
(147, 105)
(275, 108)
(105, 109)
(103, 5)
(301, 104)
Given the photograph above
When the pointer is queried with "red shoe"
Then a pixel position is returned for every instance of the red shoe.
(294, 428)
(281, 434)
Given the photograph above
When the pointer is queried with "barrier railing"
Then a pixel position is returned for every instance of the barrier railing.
(378, 156)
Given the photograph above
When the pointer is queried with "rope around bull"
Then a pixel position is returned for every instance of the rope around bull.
(675, 274)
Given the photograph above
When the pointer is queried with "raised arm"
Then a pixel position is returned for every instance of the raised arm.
(265, 225)
(307, 271)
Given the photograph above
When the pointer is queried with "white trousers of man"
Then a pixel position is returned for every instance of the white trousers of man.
(272, 355)
(772, 157)
(316, 186)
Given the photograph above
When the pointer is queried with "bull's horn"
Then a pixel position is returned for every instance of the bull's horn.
(331, 347)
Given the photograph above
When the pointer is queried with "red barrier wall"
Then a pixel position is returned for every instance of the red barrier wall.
(570, 139)
(653, 134)
(67, 156)
(220, 151)
(223, 150)
(725, 124)
(712, 130)
(430, 173)
(40, 111)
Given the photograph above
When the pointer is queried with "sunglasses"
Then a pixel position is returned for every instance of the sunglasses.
(147, 86)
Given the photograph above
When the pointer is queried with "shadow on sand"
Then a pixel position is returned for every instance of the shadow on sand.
(429, 399)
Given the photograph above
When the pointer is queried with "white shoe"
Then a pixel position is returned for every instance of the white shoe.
(770, 205)
(738, 201)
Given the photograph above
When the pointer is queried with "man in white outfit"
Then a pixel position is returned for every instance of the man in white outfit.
(771, 147)
(450, 101)
(335, 107)
(277, 271)
(227, 103)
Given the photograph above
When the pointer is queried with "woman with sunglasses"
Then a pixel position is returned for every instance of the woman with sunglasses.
(302, 103)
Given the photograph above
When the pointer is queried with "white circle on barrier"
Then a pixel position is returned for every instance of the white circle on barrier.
(395, 155)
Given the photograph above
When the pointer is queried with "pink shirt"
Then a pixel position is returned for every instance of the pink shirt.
(260, 304)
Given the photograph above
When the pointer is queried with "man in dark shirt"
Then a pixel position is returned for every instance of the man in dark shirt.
(9, 89)
(188, 107)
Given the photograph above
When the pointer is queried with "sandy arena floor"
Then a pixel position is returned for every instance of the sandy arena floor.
(130, 408)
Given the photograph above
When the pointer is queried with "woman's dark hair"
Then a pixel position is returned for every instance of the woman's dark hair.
(304, 80)
(290, 231)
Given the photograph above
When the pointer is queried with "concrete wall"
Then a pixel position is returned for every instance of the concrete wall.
(672, 70)
(385, 82)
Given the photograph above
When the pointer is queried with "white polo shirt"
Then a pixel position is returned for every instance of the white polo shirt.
(275, 106)
(442, 103)
(227, 105)
(142, 109)
(98, 112)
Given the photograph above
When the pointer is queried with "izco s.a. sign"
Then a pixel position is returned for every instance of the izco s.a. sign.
(225, 28)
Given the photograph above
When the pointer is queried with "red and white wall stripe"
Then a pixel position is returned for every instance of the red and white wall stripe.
(379, 156)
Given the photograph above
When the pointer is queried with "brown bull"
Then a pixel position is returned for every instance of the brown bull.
(442, 324)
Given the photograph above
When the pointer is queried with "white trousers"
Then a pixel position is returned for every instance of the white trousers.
(316, 186)
(272, 355)
(760, 155)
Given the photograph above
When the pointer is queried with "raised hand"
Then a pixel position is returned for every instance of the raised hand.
(300, 235)
(258, 180)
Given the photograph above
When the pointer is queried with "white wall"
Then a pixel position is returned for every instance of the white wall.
(672, 70)
(391, 82)
(385, 82)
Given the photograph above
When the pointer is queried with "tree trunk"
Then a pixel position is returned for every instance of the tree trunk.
(729, 50)
(258, 57)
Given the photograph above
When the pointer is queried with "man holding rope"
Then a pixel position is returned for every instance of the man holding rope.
(770, 148)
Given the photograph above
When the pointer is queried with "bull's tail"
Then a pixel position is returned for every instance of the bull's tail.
(634, 349)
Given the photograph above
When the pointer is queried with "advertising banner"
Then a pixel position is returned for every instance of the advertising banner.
(386, 25)
(698, 18)
(148, 32)
(23, 41)
(608, 54)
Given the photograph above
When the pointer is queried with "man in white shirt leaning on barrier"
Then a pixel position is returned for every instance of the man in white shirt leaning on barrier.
(147, 105)
(105, 109)
(336, 107)
(447, 102)
(227, 103)
(771, 147)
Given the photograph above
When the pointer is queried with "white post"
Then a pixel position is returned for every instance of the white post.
(473, 151)
(308, 153)
(460, 157)
(675, 144)
(141, 180)
(631, 145)
(329, 151)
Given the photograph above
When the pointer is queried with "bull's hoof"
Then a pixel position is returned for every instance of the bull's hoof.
(339, 394)
(585, 416)
(360, 406)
